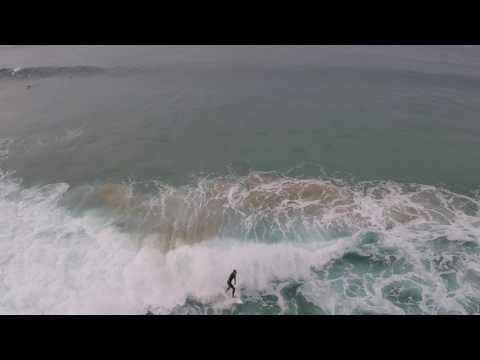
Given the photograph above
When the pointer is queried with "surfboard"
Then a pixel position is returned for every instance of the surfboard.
(235, 300)
(225, 299)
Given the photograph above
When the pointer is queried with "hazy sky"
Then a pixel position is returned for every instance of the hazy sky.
(454, 59)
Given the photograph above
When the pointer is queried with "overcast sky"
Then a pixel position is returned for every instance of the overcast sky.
(453, 59)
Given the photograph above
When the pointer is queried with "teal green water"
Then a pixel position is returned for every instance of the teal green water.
(338, 180)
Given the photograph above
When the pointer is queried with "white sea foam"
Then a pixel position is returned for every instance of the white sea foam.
(54, 262)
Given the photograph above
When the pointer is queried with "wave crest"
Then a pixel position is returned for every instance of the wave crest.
(271, 208)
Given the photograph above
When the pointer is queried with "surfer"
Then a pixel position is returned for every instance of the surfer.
(232, 277)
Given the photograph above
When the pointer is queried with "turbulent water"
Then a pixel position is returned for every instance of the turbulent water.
(335, 180)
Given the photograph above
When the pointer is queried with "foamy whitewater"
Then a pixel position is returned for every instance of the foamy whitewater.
(369, 249)
(334, 179)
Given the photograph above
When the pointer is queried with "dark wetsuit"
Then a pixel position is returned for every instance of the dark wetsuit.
(232, 277)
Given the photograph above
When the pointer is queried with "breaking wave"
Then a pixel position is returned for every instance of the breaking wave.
(48, 71)
(307, 246)
(38, 72)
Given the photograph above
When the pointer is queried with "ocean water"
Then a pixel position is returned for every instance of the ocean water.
(335, 179)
